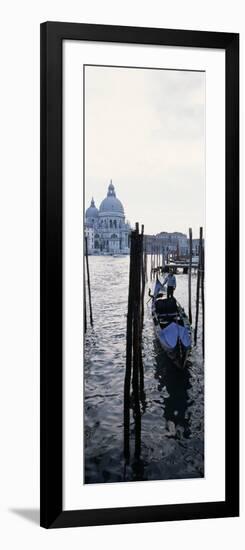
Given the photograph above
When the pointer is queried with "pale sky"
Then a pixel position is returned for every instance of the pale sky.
(145, 130)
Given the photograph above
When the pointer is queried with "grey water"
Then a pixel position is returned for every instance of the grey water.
(172, 421)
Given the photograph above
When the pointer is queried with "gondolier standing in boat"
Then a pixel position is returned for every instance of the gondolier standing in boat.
(170, 280)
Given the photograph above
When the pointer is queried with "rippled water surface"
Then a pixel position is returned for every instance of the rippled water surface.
(172, 421)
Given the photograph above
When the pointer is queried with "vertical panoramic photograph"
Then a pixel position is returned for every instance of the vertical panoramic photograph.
(144, 274)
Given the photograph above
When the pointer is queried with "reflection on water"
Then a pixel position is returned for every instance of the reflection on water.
(170, 432)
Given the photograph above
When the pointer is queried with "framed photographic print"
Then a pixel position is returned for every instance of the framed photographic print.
(139, 274)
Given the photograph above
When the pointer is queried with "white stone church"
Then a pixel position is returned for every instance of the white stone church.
(106, 229)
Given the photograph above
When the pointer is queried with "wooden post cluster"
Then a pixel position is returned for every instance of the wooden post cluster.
(134, 364)
(84, 304)
(200, 286)
(159, 257)
(151, 264)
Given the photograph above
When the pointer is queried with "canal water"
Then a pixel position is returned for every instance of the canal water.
(172, 422)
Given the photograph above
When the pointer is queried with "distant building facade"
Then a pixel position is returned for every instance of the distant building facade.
(106, 229)
(168, 243)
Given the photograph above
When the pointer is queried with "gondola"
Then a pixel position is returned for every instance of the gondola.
(172, 326)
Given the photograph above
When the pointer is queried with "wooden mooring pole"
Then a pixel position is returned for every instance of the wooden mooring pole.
(198, 284)
(189, 274)
(84, 304)
(88, 282)
(141, 312)
(134, 363)
(142, 268)
(129, 341)
(151, 264)
(137, 342)
(145, 263)
(203, 302)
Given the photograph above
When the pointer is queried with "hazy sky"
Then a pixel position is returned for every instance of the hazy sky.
(145, 130)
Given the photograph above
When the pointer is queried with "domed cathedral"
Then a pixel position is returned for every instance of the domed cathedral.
(105, 228)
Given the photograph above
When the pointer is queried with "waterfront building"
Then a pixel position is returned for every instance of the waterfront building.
(168, 243)
(109, 232)
(89, 233)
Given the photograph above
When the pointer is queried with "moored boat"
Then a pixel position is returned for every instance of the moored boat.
(172, 326)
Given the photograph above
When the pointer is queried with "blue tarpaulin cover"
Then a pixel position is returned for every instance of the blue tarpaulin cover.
(169, 336)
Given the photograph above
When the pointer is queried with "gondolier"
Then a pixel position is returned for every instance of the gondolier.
(170, 280)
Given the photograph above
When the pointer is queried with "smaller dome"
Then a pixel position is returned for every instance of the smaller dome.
(92, 211)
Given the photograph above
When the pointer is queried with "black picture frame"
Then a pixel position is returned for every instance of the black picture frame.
(52, 35)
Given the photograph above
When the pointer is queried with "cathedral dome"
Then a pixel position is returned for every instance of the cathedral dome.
(111, 203)
(92, 211)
